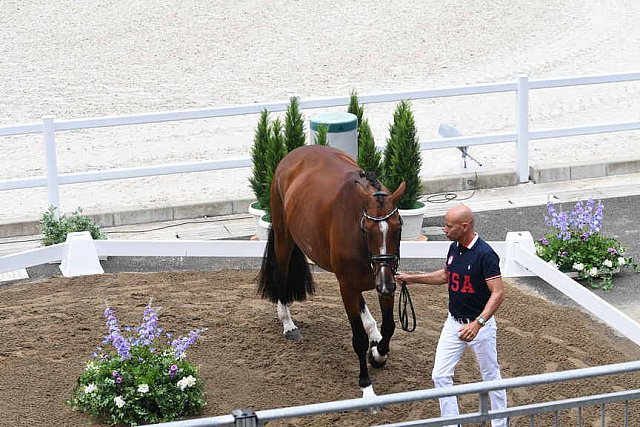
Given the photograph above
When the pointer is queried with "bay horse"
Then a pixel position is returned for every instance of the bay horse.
(326, 209)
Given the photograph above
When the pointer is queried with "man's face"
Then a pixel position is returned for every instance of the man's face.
(453, 229)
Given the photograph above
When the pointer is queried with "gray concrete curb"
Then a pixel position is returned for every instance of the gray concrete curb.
(468, 181)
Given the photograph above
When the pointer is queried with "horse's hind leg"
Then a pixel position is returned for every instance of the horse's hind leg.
(291, 331)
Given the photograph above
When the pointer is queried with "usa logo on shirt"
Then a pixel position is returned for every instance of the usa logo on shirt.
(450, 260)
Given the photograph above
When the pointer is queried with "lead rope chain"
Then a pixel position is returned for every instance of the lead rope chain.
(404, 300)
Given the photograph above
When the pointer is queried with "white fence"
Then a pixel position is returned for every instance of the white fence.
(80, 255)
(521, 134)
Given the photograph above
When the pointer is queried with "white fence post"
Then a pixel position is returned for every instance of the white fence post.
(80, 256)
(53, 193)
(511, 267)
(522, 127)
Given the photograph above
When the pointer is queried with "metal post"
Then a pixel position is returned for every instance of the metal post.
(53, 193)
(483, 399)
(522, 127)
(245, 417)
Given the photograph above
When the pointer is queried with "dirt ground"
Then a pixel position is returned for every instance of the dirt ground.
(49, 328)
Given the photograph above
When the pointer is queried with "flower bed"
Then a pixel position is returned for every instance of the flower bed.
(575, 244)
(141, 379)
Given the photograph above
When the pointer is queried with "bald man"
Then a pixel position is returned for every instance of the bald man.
(476, 291)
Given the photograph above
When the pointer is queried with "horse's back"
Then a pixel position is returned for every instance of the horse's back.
(314, 165)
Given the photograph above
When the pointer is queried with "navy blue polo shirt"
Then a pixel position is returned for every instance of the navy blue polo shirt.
(468, 269)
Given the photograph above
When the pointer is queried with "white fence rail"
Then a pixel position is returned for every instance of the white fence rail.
(521, 135)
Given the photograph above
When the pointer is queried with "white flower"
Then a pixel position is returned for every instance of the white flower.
(186, 382)
(578, 266)
(90, 388)
(607, 263)
(143, 388)
(621, 261)
(91, 366)
(593, 272)
(552, 264)
(119, 401)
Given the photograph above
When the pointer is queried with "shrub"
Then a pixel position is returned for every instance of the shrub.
(369, 157)
(575, 243)
(402, 157)
(141, 379)
(259, 159)
(294, 135)
(274, 152)
(54, 229)
(322, 135)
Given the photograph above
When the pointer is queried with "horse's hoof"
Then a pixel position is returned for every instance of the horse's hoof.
(375, 410)
(375, 360)
(293, 335)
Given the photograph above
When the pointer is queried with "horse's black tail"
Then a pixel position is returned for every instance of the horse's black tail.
(274, 286)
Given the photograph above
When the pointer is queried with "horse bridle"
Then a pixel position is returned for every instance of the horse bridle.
(389, 260)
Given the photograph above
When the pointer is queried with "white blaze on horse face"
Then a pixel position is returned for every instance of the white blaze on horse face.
(370, 325)
(384, 227)
(285, 317)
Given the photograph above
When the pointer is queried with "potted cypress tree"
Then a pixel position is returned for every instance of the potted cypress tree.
(275, 151)
(369, 157)
(271, 142)
(402, 162)
(258, 180)
(294, 135)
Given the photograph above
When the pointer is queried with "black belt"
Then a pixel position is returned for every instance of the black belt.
(462, 319)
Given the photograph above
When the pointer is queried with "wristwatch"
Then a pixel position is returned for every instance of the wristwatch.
(481, 321)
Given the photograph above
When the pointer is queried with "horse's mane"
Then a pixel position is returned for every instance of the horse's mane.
(372, 178)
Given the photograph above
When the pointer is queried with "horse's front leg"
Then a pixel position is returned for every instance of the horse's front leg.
(380, 352)
(376, 359)
(353, 305)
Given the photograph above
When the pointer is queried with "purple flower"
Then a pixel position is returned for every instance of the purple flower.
(115, 337)
(613, 251)
(149, 329)
(173, 369)
(584, 237)
(181, 344)
(544, 241)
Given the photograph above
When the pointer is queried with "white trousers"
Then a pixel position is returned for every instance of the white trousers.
(448, 353)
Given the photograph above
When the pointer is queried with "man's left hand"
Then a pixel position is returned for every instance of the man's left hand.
(469, 331)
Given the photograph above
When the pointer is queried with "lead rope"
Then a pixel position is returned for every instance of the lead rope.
(404, 300)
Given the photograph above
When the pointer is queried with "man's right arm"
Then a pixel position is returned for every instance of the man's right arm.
(438, 277)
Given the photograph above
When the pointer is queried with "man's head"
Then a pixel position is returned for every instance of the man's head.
(458, 224)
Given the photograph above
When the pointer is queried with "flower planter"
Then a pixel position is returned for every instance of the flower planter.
(256, 213)
(412, 222)
(263, 229)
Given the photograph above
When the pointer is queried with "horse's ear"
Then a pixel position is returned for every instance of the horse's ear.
(399, 192)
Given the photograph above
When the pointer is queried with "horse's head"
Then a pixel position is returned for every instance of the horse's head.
(382, 227)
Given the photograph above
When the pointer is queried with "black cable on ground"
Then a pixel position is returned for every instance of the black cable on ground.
(448, 196)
